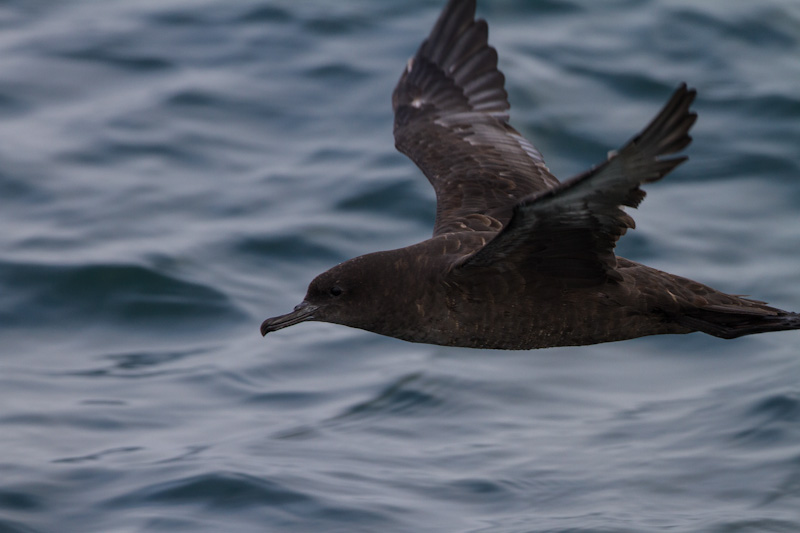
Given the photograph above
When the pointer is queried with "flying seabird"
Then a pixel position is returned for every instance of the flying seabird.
(518, 260)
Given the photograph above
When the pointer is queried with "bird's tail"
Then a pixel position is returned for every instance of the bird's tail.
(731, 321)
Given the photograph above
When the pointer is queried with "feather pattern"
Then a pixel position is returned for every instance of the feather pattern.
(569, 232)
(451, 119)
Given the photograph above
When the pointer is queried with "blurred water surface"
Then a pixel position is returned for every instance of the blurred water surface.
(174, 171)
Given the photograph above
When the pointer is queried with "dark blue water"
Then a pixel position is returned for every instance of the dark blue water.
(172, 172)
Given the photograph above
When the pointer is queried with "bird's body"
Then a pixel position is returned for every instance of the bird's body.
(518, 260)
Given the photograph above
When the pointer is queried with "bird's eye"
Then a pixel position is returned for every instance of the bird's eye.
(336, 290)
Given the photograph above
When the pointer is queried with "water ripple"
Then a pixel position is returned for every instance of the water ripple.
(121, 293)
(218, 489)
(408, 395)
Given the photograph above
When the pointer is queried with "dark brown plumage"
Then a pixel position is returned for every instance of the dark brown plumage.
(518, 260)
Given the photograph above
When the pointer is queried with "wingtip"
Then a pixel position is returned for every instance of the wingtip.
(689, 93)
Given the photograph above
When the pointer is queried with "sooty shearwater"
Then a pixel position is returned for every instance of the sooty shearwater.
(517, 260)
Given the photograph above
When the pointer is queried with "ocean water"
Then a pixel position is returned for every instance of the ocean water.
(172, 172)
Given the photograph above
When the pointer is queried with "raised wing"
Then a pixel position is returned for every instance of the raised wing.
(569, 233)
(450, 119)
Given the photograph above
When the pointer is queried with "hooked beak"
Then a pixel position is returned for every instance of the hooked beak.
(304, 311)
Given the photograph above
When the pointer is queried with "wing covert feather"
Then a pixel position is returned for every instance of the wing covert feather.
(451, 119)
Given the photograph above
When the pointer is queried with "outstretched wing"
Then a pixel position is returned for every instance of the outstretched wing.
(450, 119)
(569, 233)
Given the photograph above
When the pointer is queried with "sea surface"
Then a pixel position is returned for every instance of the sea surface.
(172, 172)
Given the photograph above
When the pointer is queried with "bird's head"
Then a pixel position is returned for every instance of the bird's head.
(354, 293)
